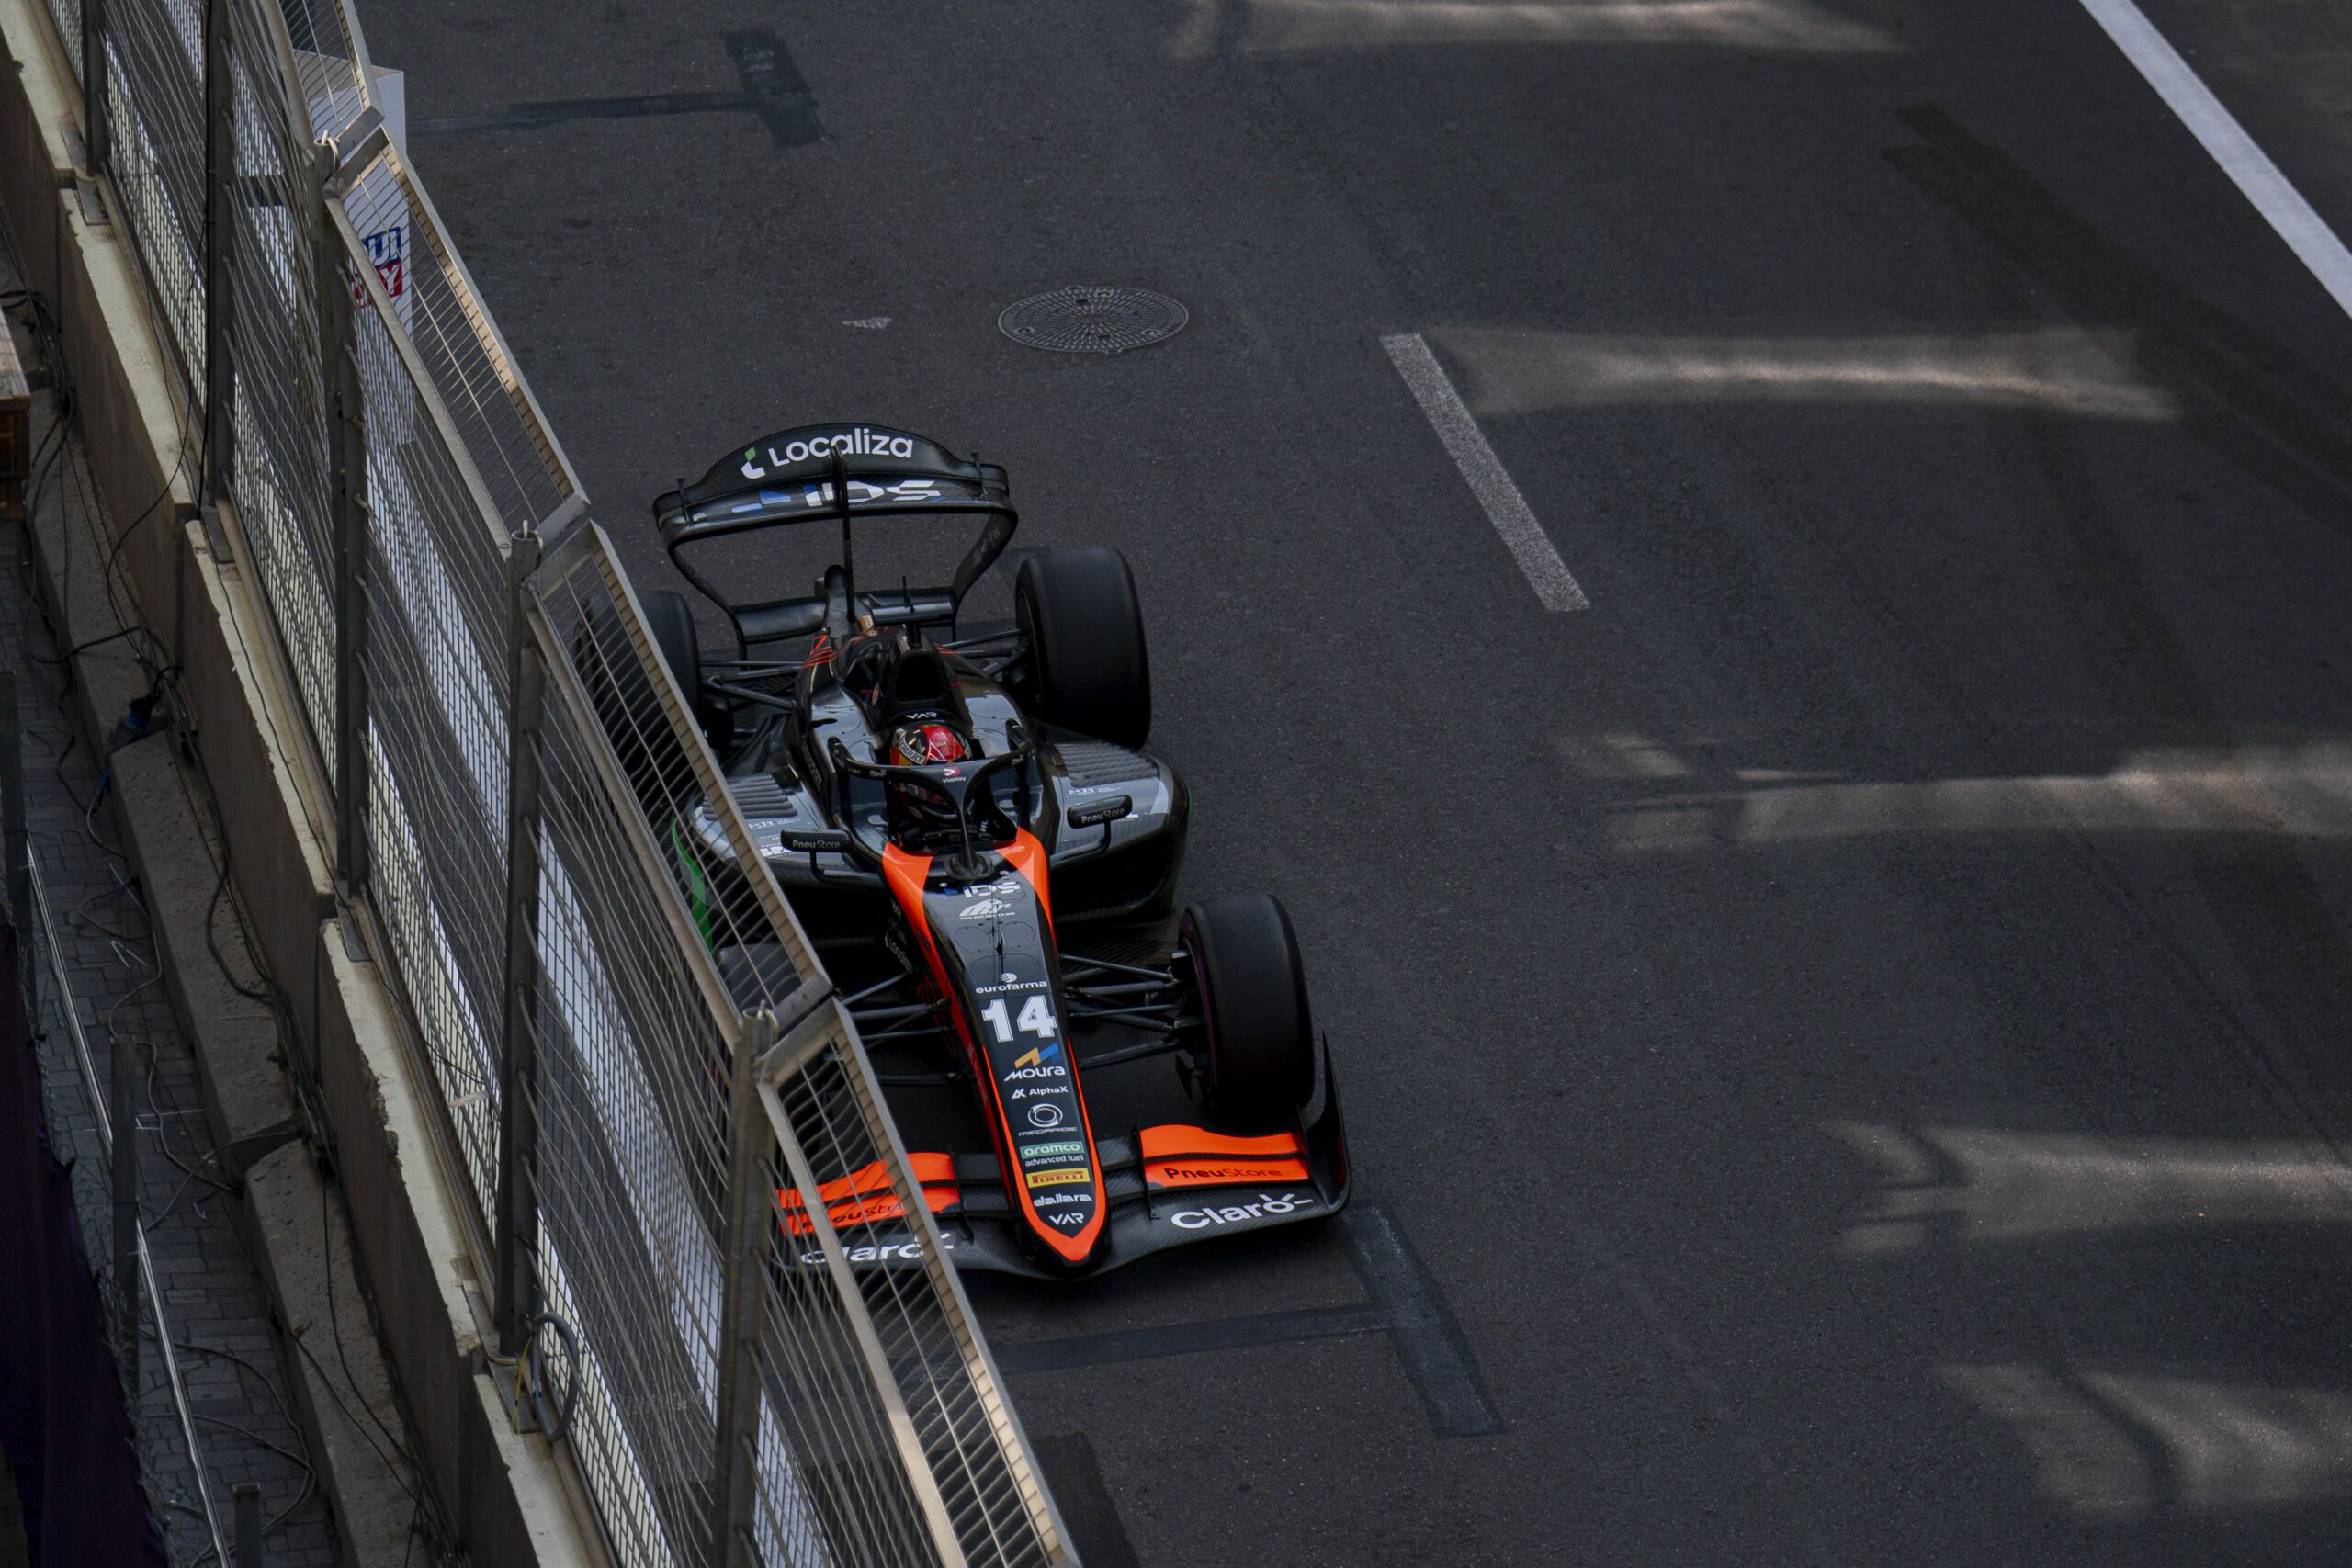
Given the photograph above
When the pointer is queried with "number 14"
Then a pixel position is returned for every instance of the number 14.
(1036, 1018)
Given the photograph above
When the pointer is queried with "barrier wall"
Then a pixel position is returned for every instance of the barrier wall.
(480, 761)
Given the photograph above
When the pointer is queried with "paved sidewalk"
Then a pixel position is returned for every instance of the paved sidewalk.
(214, 1299)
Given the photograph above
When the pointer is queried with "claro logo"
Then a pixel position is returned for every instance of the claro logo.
(1268, 1203)
(885, 1252)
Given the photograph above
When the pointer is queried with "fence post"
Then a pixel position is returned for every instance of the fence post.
(518, 1065)
(348, 483)
(740, 1315)
(123, 1064)
(95, 132)
(18, 846)
(220, 182)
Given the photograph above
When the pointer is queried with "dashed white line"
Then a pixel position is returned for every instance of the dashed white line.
(1489, 480)
(2281, 205)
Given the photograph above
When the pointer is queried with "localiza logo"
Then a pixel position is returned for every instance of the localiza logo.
(858, 442)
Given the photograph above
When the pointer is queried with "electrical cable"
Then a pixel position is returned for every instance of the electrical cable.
(155, 658)
(334, 1324)
(56, 450)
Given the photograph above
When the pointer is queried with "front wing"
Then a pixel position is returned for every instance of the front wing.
(1165, 1186)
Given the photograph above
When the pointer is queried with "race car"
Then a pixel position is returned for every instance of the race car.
(964, 820)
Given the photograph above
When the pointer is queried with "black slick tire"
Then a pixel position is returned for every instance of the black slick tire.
(1259, 1034)
(672, 626)
(1088, 670)
(671, 623)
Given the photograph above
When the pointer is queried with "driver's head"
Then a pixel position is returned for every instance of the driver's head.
(918, 744)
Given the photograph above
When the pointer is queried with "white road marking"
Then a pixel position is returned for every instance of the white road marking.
(2281, 205)
(1489, 480)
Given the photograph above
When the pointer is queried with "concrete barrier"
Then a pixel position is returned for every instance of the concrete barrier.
(509, 1496)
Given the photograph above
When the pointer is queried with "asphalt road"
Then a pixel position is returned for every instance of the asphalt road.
(1853, 1026)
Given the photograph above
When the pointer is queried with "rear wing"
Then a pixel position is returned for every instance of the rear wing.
(836, 473)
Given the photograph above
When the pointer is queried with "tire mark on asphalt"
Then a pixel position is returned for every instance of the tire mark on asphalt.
(1090, 1514)
(2270, 909)
(2242, 393)
(1186, 1338)
(772, 89)
(1715, 1400)
(1406, 1306)
(1429, 1341)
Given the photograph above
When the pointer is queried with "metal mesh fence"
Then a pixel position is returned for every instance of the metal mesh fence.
(330, 65)
(67, 15)
(625, 1100)
(845, 1485)
(465, 360)
(965, 1432)
(154, 110)
(879, 1435)
(846, 1358)
(279, 459)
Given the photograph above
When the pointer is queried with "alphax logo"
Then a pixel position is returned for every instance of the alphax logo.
(1043, 1056)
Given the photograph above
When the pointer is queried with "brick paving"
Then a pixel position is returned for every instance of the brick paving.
(213, 1296)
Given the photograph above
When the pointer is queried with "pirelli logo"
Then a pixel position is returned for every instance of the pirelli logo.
(1057, 1178)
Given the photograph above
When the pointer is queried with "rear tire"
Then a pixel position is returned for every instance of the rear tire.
(1088, 670)
(672, 626)
(671, 623)
(1252, 989)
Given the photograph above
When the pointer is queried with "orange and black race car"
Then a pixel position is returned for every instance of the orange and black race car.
(963, 819)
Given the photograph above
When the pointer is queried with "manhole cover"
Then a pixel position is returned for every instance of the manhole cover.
(1083, 319)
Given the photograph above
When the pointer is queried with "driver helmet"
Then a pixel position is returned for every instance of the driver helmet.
(926, 741)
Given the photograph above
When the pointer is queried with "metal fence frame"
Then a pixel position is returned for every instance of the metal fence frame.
(644, 1095)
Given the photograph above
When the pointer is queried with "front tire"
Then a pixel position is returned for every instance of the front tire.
(1252, 990)
(1088, 671)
